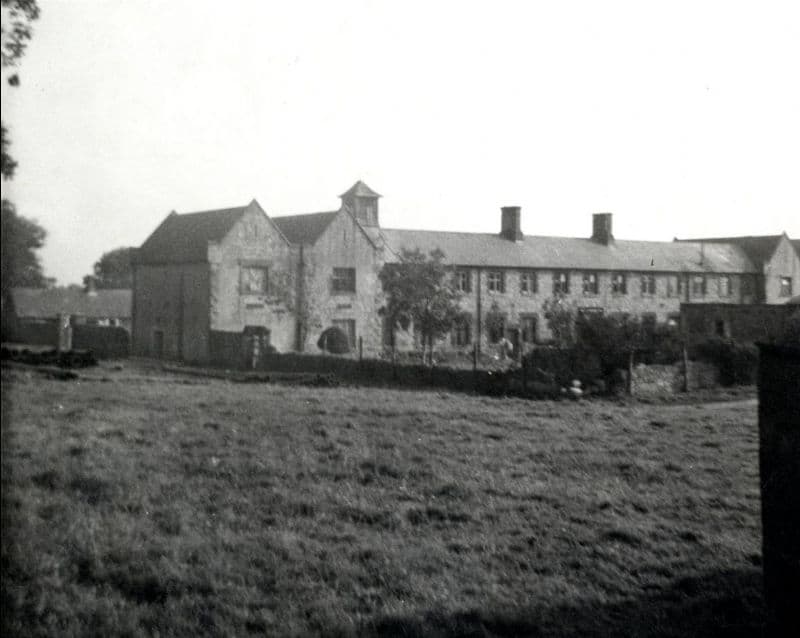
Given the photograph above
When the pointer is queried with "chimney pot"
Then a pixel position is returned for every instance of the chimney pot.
(602, 231)
(511, 223)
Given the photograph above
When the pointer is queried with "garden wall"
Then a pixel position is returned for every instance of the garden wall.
(660, 380)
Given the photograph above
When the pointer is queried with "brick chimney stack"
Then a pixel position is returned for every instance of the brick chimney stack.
(602, 229)
(510, 223)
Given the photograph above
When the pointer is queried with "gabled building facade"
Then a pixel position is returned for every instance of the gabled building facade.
(222, 285)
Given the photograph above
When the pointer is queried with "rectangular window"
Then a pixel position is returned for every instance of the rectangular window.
(748, 285)
(528, 282)
(683, 283)
(786, 287)
(560, 283)
(495, 281)
(724, 286)
(496, 327)
(698, 285)
(672, 286)
(254, 280)
(590, 283)
(649, 326)
(527, 325)
(463, 281)
(348, 326)
(462, 331)
(648, 285)
(619, 284)
(344, 280)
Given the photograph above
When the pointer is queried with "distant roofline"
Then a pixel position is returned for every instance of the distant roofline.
(528, 236)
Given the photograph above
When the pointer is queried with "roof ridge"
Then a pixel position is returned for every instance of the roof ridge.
(322, 212)
(213, 210)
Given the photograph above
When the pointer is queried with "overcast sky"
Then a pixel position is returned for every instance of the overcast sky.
(681, 118)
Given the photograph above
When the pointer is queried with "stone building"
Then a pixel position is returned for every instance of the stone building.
(221, 286)
(205, 284)
(776, 261)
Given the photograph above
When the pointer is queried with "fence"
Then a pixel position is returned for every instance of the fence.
(105, 342)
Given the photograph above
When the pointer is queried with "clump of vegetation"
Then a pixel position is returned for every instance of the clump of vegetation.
(420, 293)
(334, 340)
(737, 362)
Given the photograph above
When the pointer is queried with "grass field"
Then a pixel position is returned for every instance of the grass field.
(138, 503)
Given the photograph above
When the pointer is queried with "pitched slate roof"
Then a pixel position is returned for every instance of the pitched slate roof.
(759, 248)
(484, 249)
(304, 229)
(184, 238)
(46, 303)
(360, 189)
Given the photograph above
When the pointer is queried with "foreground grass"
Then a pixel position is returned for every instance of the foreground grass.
(137, 504)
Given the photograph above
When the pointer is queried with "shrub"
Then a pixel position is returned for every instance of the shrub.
(737, 362)
(334, 340)
(791, 332)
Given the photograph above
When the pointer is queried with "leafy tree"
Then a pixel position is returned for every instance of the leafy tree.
(113, 269)
(419, 290)
(20, 266)
(613, 339)
(21, 237)
(560, 315)
(17, 18)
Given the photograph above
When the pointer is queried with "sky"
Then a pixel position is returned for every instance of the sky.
(680, 118)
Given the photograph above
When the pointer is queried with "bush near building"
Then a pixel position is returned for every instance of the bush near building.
(737, 362)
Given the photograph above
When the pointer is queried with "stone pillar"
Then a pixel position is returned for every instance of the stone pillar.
(779, 459)
(64, 333)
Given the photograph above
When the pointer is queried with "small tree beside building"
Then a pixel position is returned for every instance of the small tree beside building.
(419, 292)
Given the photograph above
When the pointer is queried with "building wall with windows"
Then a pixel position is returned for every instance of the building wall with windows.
(251, 281)
(294, 276)
(342, 287)
(782, 273)
(521, 298)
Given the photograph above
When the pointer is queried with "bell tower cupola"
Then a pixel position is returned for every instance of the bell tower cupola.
(363, 202)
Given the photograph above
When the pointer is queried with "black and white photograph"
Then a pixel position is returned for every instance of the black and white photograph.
(400, 319)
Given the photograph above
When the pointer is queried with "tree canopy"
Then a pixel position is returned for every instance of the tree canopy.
(113, 269)
(21, 237)
(17, 19)
(419, 290)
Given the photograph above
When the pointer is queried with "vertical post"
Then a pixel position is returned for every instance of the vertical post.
(685, 368)
(475, 366)
(779, 448)
(64, 335)
(479, 323)
(360, 351)
(629, 381)
(524, 372)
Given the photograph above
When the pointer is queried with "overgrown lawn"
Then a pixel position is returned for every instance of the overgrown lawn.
(138, 503)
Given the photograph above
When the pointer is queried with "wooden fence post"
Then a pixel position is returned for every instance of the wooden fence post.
(629, 383)
(524, 371)
(361, 352)
(475, 366)
(685, 369)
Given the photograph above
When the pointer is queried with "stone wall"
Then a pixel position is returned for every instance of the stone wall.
(661, 380)
(170, 311)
